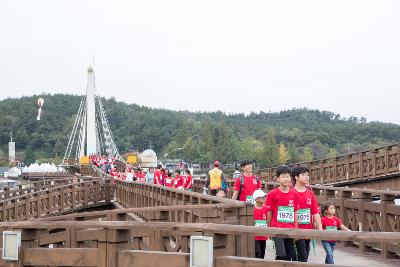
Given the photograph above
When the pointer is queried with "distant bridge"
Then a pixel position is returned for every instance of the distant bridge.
(372, 169)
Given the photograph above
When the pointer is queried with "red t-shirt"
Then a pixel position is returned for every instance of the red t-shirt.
(168, 182)
(158, 177)
(283, 207)
(179, 181)
(260, 220)
(188, 182)
(331, 224)
(249, 186)
(308, 206)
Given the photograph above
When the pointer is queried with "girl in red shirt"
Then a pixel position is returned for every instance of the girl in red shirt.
(330, 223)
(260, 220)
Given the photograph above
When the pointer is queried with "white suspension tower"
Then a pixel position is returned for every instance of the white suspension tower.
(91, 133)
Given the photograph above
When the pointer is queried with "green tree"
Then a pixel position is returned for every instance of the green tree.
(270, 150)
(307, 155)
(332, 153)
(283, 154)
(294, 155)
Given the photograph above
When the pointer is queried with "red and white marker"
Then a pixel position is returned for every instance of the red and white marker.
(40, 103)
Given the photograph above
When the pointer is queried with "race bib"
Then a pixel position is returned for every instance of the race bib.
(168, 181)
(331, 228)
(285, 214)
(260, 223)
(303, 216)
(249, 199)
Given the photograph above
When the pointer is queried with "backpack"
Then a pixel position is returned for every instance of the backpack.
(242, 184)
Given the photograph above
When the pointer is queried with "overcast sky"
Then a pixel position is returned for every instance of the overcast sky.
(234, 56)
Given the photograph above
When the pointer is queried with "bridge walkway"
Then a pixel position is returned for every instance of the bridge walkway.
(343, 256)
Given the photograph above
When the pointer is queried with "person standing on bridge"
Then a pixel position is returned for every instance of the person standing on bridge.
(179, 180)
(260, 220)
(283, 205)
(158, 175)
(246, 184)
(188, 181)
(150, 176)
(169, 181)
(330, 223)
(308, 213)
(215, 178)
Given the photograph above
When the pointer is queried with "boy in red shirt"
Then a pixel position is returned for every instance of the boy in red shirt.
(188, 181)
(308, 213)
(331, 223)
(158, 175)
(260, 220)
(283, 205)
(246, 184)
(169, 181)
(179, 180)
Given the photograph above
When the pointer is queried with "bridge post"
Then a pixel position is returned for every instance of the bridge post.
(386, 160)
(334, 165)
(398, 155)
(321, 171)
(374, 152)
(360, 159)
(386, 200)
(363, 197)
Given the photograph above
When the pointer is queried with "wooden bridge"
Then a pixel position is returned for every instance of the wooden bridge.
(373, 169)
(96, 221)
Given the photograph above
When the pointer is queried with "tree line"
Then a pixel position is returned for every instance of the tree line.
(267, 138)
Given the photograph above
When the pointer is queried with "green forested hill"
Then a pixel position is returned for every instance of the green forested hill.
(268, 138)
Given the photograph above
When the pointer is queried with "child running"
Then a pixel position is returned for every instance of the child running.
(260, 220)
(330, 223)
(282, 204)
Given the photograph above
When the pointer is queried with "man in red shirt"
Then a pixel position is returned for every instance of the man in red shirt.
(158, 175)
(179, 180)
(246, 184)
(308, 213)
(283, 205)
(188, 181)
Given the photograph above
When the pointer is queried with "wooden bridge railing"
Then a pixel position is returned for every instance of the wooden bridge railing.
(59, 199)
(370, 163)
(360, 210)
(45, 175)
(33, 186)
(123, 243)
(137, 195)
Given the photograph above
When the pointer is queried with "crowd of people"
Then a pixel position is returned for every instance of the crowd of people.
(153, 176)
(291, 205)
